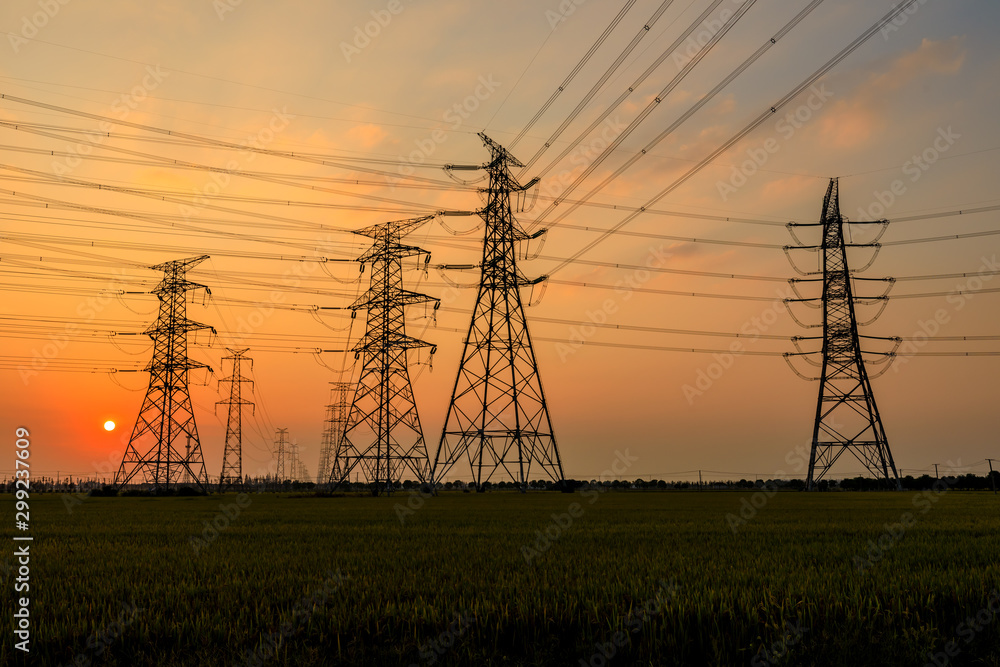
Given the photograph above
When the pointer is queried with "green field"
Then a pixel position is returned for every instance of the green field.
(646, 578)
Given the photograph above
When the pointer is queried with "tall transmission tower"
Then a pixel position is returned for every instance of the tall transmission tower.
(232, 456)
(383, 434)
(498, 418)
(166, 417)
(280, 450)
(333, 430)
(847, 418)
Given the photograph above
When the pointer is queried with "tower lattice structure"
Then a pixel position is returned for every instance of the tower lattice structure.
(847, 417)
(232, 455)
(333, 430)
(383, 438)
(166, 419)
(280, 451)
(293, 462)
(498, 420)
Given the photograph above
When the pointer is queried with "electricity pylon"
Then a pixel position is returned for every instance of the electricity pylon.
(333, 430)
(293, 461)
(186, 476)
(232, 455)
(302, 472)
(498, 418)
(383, 434)
(847, 418)
(166, 418)
(279, 444)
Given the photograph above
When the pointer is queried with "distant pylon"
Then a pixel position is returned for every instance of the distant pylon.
(280, 450)
(153, 456)
(498, 417)
(334, 426)
(847, 418)
(299, 470)
(293, 461)
(186, 477)
(383, 433)
(232, 455)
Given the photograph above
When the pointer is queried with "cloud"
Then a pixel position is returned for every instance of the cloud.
(794, 188)
(368, 135)
(931, 57)
(855, 119)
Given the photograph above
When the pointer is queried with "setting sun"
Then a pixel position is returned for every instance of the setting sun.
(109, 425)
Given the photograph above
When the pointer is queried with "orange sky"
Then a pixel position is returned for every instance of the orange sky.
(914, 106)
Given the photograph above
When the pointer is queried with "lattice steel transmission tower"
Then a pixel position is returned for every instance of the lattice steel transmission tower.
(293, 461)
(301, 469)
(166, 418)
(498, 418)
(232, 455)
(186, 475)
(847, 418)
(383, 434)
(335, 424)
(280, 450)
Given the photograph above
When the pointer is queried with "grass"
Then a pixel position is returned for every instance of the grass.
(467, 579)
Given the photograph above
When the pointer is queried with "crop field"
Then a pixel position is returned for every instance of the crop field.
(587, 578)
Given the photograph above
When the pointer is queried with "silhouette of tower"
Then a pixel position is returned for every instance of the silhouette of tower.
(333, 430)
(232, 456)
(186, 476)
(153, 456)
(293, 461)
(847, 418)
(383, 434)
(281, 451)
(498, 418)
(301, 471)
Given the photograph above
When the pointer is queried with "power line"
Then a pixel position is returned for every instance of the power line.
(579, 66)
(805, 84)
(691, 63)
